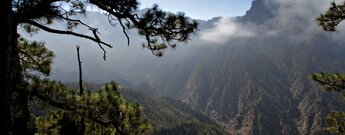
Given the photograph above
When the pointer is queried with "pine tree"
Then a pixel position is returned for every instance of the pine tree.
(105, 111)
(34, 15)
(333, 16)
(333, 82)
(34, 60)
(62, 108)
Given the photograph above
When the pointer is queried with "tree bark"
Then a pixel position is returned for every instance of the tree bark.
(13, 100)
(6, 63)
(82, 121)
(80, 73)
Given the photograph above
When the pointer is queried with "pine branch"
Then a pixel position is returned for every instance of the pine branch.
(95, 39)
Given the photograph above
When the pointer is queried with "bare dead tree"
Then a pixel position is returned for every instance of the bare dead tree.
(81, 129)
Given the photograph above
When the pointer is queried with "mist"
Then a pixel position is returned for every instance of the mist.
(225, 29)
(134, 64)
(296, 17)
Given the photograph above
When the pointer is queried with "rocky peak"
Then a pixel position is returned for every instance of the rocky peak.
(260, 11)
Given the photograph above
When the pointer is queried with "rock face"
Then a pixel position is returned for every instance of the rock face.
(261, 84)
(257, 91)
(259, 12)
(264, 90)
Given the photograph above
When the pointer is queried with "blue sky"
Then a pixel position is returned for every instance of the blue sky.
(202, 9)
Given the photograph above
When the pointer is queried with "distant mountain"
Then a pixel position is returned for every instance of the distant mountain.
(260, 84)
(259, 12)
(259, 89)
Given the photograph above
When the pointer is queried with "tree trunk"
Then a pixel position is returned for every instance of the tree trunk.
(11, 77)
(81, 130)
(6, 52)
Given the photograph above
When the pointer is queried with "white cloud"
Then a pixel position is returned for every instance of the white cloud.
(290, 16)
(225, 29)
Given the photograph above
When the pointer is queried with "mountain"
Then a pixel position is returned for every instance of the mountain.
(169, 116)
(252, 89)
(259, 12)
(260, 84)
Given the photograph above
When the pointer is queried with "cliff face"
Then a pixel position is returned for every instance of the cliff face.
(265, 92)
(259, 12)
(262, 89)
(261, 85)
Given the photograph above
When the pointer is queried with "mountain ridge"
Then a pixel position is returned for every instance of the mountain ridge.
(260, 84)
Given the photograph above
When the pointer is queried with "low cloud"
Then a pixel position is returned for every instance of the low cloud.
(225, 29)
(295, 17)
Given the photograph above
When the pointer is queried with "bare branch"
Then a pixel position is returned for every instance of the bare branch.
(95, 39)
(50, 101)
(124, 31)
(95, 31)
(74, 20)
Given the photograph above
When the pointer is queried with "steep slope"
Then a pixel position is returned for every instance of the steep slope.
(169, 116)
(262, 89)
(260, 84)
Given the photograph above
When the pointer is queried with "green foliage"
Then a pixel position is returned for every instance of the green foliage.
(106, 112)
(170, 117)
(61, 109)
(46, 12)
(332, 17)
(35, 15)
(333, 82)
(336, 123)
(34, 57)
(164, 27)
(160, 29)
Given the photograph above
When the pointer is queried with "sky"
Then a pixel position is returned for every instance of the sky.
(202, 9)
